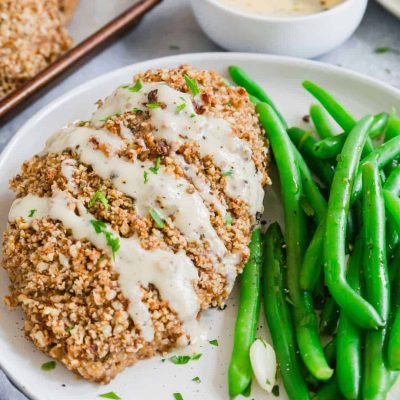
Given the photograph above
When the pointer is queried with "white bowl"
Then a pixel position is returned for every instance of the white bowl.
(300, 36)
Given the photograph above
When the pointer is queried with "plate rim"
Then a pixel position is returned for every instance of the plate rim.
(191, 58)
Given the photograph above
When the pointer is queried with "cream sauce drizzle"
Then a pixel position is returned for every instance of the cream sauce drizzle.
(172, 274)
(213, 135)
(164, 192)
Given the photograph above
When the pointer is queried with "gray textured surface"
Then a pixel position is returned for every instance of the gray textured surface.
(171, 29)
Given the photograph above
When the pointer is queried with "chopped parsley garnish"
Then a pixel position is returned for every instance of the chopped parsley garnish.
(98, 196)
(156, 167)
(227, 173)
(192, 115)
(179, 360)
(110, 395)
(163, 360)
(192, 85)
(109, 117)
(381, 50)
(152, 106)
(145, 176)
(112, 240)
(48, 366)
(275, 390)
(82, 123)
(196, 379)
(99, 226)
(181, 107)
(70, 328)
(214, 342)
(228, 219)
(156, 218)
(135, 109)
(178, 396)
(134, 88)
(32, 213)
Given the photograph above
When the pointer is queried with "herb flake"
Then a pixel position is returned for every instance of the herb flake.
(145, 177)
(227, 173)
(156, 218)
(110, 395)
(156, 167)
(214, 342)
(192, 85)
(134, 88)
(98, 196)
(180, 107)
(112, 240)
(228, 218)
(381, 50)
(178, 396)
(153, 106)
(48, 366)
(196, 379)
(180, 360)
(32, 212)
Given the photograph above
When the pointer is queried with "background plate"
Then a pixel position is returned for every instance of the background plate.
(153, 379)
(391, 5)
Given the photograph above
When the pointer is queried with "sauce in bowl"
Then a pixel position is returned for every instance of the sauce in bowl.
(281, 8)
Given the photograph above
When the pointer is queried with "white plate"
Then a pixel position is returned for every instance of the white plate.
(153, 379)
(392, 6)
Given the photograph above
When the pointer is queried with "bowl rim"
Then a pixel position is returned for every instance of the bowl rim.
(283, 19)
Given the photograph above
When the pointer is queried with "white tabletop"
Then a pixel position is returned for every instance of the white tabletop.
(171, 29)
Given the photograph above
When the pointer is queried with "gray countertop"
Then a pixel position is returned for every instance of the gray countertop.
(171, 29)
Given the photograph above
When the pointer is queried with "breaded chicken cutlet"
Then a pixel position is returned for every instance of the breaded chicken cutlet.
(129, 225)
(32, 36)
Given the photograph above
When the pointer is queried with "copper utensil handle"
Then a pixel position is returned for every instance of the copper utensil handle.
(114, 28)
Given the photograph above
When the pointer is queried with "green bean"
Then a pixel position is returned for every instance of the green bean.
(348, 336)
(240, 372)
(348, 300)
(392, 127)
(305, 143)
(295, 234)
(329, 391)
(393, 181)
(392, 204)
(393, 355)
(382, 155)
(241, 78)
(329, 317)
(394, 266)
(332, 146)
(313, 260)
(321, 121)
(278, 316)
(376, 282)
(392, 184)
(334, 108)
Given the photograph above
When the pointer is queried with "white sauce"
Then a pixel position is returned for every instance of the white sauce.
(172, 274)
(281, 8)
(191, 216)
(213, 135)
